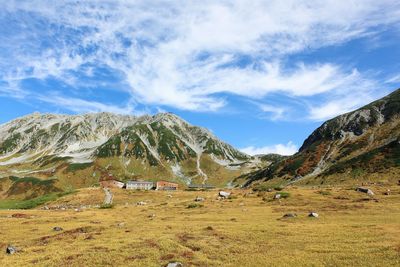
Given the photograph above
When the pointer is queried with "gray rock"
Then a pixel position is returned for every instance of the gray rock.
(11, 250)
(277, 196)
(174, 264)
(365, 190)
(313, 214)
(199, 199)
(57, 229)
(224, 194)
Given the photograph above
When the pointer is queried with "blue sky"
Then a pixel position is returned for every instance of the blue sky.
(260, 74)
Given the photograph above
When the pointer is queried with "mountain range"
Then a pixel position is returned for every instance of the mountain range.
(81, 150)
(357, 146)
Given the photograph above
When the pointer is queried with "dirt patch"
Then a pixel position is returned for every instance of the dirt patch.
(185, 237)
(167, 257)
(69, 234)
(21, 215)
(151, 243)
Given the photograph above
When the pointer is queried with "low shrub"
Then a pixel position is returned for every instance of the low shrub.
(194, 205)
(106, 206)
(284, 194)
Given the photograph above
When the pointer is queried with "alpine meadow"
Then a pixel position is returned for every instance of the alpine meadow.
(188, 133)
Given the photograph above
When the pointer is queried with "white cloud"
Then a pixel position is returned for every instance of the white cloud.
(276, 112)
(353, 93)
(183, 54)
(281, 149)
(394, 79)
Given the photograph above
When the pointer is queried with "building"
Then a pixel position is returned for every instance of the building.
(163, 185)
(112, 183)
(139, 185)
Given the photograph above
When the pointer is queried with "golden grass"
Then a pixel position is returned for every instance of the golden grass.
(352, 230)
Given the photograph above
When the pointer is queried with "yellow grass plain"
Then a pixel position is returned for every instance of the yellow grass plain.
(246, 230)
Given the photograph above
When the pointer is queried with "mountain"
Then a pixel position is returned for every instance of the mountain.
(83, 149)
(359, 145)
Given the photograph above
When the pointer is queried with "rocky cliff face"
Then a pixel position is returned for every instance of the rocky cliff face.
(160, 146)
(361, 142)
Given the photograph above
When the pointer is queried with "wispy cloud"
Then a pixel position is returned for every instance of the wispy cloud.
(187, 54)
(281, 149)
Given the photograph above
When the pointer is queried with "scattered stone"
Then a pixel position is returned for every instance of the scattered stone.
(313, 214)
(290, 215)
(11, 250)
(152, 216)
(57, 229)
(199, 199)
(169, 196)
(269, 190)
(387, 193)
(209, 228)
(277, 196)
(365, 190)
(141, 203)
(224, 194)
(174, 264)
(122, 224)
(46, 208)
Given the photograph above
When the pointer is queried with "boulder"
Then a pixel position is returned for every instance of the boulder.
(277, 196)
(11, 250)
(224, 194)
(174, 264)
(313, 214)
(57, 229)
(199, 199)
(365, 190)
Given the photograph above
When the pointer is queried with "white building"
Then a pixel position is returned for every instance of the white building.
(139, 185)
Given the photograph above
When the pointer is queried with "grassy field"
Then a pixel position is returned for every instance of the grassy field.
(246, 230)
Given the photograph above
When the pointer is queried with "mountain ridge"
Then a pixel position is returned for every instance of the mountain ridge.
(338, 150)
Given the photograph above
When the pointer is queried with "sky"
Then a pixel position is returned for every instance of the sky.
(261, 75)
